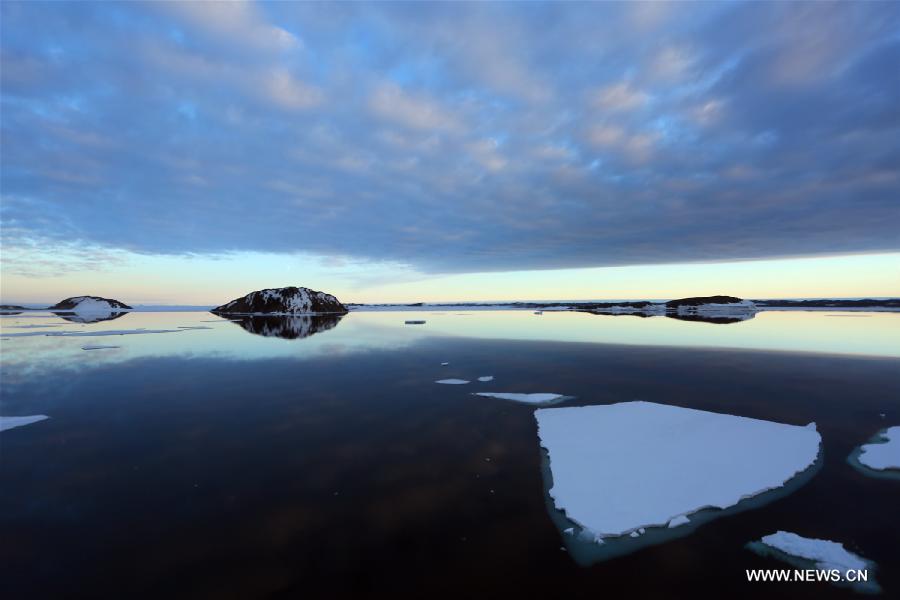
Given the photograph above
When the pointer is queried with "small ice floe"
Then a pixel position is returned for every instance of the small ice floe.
(486, 378)
(539, 398)
(11, 422)
(414, 322)
(98, 347)
(444, 364)
(881, 455)
(679, 520)
(847, 568)
(452, 381)
(667, 463)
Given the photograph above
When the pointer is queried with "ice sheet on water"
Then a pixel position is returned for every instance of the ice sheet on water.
(12, 422)
(667, 463)
(538, 398)
(823, 555)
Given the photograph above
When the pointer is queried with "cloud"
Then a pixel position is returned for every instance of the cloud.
(451, 139)
(392, 103)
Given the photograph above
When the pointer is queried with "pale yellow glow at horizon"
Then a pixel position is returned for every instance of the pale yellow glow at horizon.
(211, 281)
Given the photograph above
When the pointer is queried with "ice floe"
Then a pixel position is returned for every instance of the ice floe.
(452, 381)
(486, 378)
(881, 454)
(539, 398)
(11, 422)
(823, 555)
(615, 469)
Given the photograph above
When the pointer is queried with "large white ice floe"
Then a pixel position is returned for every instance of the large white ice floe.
(538, 398)
(11, 422)
(452, 381)
(881, 454)
(615, 469)
(823, 555)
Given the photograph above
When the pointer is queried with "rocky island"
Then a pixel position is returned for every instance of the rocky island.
(89, 304)
(283, 301)
(89, 309)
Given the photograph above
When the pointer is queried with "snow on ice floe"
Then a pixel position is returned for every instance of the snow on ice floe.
(11, 422)
(452, 381)
(881, 454)
(823, 555)
(615, 469)
(486, 378)
(98, 347)
(539, 398)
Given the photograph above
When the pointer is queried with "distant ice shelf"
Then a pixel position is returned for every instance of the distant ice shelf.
(538, 398)
(12, 422)
(823, 555)
(616, 469)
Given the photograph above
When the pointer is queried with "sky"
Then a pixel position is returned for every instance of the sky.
(188, 153)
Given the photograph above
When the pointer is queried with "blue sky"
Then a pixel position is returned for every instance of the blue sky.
(191, 152)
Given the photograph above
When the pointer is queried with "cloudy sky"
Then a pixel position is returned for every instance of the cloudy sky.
(192, 152)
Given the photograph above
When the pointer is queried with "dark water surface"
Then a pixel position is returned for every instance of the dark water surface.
(224, 463)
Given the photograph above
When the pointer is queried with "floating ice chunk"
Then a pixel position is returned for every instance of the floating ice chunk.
(452, 381)
(634, 534)
(539, 398)
(825, 555)
(10, 422)
(679, 520)
(98, 347)
(486, 378)
(882, 453)
(666, 461)
(444, 364)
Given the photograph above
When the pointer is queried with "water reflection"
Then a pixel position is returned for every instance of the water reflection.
(719, 320)
(74, 317)
(290, 328)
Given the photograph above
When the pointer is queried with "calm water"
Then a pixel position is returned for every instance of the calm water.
(230, 462)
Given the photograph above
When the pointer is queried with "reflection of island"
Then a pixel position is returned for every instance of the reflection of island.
(94, 317)
(287, 327)
(720, 320)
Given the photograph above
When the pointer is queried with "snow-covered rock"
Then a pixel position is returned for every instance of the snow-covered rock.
(285, 301)
(884, 452)
(706, 305)
(90, 304)
(11, 422)
(620, 467)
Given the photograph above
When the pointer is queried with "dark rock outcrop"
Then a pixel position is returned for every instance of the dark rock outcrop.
(701, 300)
(285, 301)
(89, 303)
